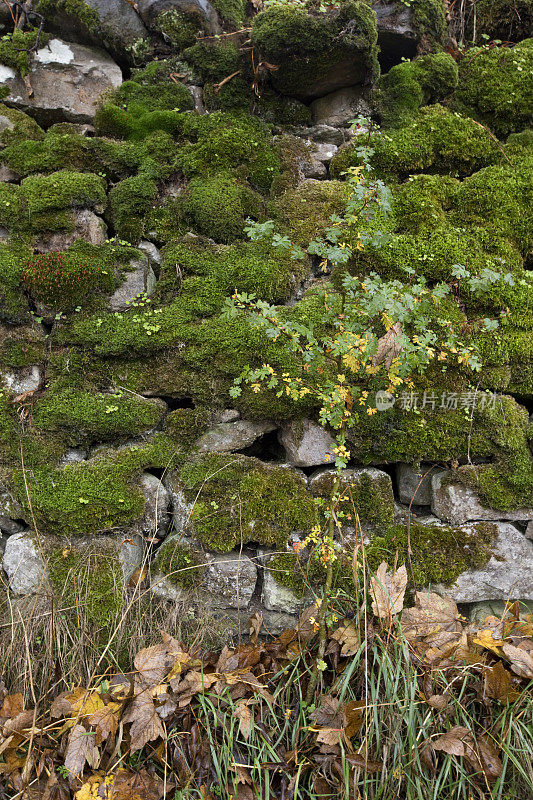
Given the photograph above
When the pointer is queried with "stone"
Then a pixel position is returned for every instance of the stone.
(324, 133)
(306, 443)
(339, 108)
(478, 612)
(72, 456)
(228, 436)
(67, 81)
(156, 517)
(274, 595)
(229, 415)
(456, 503)
(397, 35)
(201, 10)
(7, 175)
(138, 280)
(118, 27)
(529, 530)
(151, 252)
(181, 508)
(87, 226)
(23, 563)
(231, 580)
(23, 380)
(414, 485)
(10, 509)
(506, 576)
(198, 97)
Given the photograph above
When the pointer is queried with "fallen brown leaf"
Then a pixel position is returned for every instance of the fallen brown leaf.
(388, 590)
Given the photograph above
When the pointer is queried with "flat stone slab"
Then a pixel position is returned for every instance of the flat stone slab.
(456, 503)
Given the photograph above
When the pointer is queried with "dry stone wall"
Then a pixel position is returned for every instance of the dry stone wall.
(135, 143)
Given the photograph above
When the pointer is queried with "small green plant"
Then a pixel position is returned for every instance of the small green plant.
(370, 335)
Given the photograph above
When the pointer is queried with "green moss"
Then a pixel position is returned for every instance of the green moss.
(66, 280)
(495, 86)
(185, 425)
(408, 86)
(499, 434)
(181, 563)
(13, 256)
(305, 211)
(430, 19)
(89, 578)
(306, 47)
(437, 140)
(179, 30)
(139, 97)
(223, 141)
(75, 8)
(18, 127)
(437, 554)
(364, 494)
(64, 189)
(248, 266)
(213, 61)
(229, 494)
(218, 206)
(278, 110)
(93, 416)
(129, 201)
(16, 48)
(231, 11)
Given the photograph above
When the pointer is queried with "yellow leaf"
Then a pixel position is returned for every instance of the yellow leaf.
(486, 639)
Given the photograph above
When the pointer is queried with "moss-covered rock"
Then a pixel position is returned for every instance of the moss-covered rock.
(436, 140)
(17, 126)
(129, 202)
(317, 53)
(495, 87)
(240, 499)
(222, 141)
(365, 492)
(305, 211)
(180, 563)
(406, 87)
(94, 416)
(218, 206)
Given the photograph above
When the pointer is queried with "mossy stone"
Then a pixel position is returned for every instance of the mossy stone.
(218, 206)
(181, 563)
(365, 492)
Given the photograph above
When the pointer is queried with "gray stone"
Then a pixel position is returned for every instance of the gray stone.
(372, 486)
(339, 108)
(477, 612)
(23, 563)
(7, 175)
(10, 508)
(139, 280)
(414, 485)
(306, 443)
(275, 596)
(23, 380)
(231, 580)
(181, 508)
(87, 226)
(228, 415)
(228, 436)
(323, 133)
(119, 29)
(198, 97)
(151, 252)
(529, 530)
(456, 503)
(508, 575)
(156, 517)
(67, 80)
(202, 10)
(397, 33)
(72, 456)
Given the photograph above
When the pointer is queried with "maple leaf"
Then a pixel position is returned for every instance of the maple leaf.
(105, 720)
(431, 615)
(521, 660)
(348, 637)
(388, 590)
(480, 753)
(81, 748)
(146, 725)
(155, 662)
(244, 715)
(497, 684)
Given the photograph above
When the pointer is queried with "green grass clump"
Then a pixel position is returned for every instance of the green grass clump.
(495, 87)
